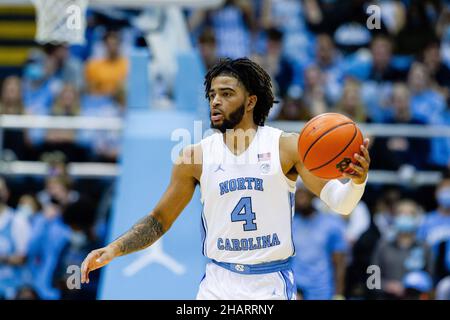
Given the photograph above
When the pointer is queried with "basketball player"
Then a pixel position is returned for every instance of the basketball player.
(247, 205)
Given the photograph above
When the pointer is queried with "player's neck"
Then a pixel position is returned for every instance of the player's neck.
(239, 139)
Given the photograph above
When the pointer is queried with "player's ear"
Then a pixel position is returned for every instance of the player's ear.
(251, 102)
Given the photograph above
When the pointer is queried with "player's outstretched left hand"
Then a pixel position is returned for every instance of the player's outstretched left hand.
(361, 167)
(96, 259)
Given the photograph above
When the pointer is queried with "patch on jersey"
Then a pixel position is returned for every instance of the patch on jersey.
(264, 156)
(239, 267)
(265, 168)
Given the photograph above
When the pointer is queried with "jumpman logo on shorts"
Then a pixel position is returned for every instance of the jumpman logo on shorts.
(219, 168)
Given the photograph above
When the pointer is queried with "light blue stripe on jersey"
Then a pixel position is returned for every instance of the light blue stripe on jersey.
(291, 212)
(261, 268)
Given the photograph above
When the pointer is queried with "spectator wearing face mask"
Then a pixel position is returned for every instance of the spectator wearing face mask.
(320, 246)
(402, 255)
(29, 208)
(14, 238)
(436, 227)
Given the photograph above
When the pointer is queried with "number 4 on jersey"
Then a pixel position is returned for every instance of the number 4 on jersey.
(243, 212)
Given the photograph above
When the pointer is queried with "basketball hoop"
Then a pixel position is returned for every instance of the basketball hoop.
(60, 21)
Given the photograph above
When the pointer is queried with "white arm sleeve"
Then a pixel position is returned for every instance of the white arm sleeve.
(340, 197)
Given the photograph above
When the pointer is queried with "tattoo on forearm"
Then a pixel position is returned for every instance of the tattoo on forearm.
(141, 235)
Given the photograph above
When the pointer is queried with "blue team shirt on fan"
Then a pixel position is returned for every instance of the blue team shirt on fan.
(427, 105)
(316, 238)
(435, 229)
(49, 238)
(440, 146)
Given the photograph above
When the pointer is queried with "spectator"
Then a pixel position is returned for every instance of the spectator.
(436, 227)
(40, 85)
(102, 145)
(328, 60)
(377, 85)
(11, 96)
(79, 216)
(232, 24)
(66, 68)
(68, 102)
(293, 109)
(440, 146)
(50, 235)
(208, 48)
(418, 27)
(442, 30)
(357, 223)
(29, 208)
(14, 238)
(439, 72)
(426, 104)
(327, 15)
(361, 253)
(393, 153)
(320, 246)
(288, 17)
(64, 140)
(57, 189)
(384, 216)
(442, 270)
(11, 103)
(277, 66)
(404, 254)
(313, 97)
(350, 103)
(106, 76)
(381, 49)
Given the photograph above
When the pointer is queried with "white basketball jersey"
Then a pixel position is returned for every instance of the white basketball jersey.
(247, 201)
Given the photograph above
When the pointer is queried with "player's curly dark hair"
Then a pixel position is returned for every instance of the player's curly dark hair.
(254, 78)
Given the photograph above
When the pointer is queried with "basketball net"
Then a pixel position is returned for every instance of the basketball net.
(60, 21)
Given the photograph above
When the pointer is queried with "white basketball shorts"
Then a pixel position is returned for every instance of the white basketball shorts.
(222, 284)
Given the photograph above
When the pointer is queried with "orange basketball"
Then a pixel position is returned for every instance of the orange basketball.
(327, 144)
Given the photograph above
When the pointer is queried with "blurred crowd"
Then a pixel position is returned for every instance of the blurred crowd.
(322, 57)
(55, 82)
(398, 252)
(43, 232)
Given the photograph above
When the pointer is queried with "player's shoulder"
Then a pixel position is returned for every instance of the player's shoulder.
(288, 136)
(191, 154)
(289, 142)
(189, 161)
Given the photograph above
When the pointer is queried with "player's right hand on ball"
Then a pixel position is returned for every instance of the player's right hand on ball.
(95, 260)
